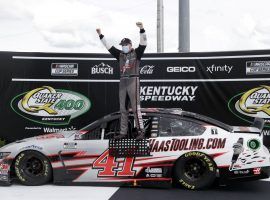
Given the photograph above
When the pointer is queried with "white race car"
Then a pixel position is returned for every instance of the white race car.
(187, 148)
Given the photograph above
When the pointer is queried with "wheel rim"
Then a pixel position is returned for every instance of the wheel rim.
(34, 167)
(195, 169)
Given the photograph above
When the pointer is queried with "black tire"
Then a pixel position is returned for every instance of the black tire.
(195, 170)
(33, 168)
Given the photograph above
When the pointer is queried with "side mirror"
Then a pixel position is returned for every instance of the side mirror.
(78, 136)
(258, 123)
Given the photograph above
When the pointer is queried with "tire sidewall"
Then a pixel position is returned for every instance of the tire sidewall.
(204, 182)
(23, 177)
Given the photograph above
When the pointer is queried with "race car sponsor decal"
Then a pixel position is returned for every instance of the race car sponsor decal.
(214, 131)
(4, 155)
(109, 166)
(252, 103)
(3, 177)
(46, 105)
(237, 150)
(244, 158)
(4, 169)
(49, 136)
(70, 145)
(257, 171)
(35, 147)
(254, 144)
(241, 172)
(186, 144)
(154, 172)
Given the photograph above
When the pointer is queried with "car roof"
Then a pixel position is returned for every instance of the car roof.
(182, 113)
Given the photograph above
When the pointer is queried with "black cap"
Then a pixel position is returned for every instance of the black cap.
(125, 41)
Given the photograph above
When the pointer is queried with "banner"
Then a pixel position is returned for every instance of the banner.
(50, 92)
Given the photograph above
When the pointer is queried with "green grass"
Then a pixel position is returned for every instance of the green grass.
(2, 142)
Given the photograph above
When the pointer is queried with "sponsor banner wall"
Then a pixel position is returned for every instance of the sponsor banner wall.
(50, 92)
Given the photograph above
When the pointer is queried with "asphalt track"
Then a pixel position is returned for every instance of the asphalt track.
(259, 190)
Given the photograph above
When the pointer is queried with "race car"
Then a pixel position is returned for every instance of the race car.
(185, 148)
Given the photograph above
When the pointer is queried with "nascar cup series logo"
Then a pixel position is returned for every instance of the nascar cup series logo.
(50, 106)
(252, 103)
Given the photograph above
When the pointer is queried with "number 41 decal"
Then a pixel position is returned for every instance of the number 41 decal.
(110, 166)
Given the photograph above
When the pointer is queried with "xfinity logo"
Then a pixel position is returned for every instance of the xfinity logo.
(185, 69)
(102, 69)
(219, 68)
(147, 69)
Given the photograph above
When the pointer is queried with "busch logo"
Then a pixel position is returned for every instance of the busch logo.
(147, 69)
(185, 69)
(219, 68)
(102, 69)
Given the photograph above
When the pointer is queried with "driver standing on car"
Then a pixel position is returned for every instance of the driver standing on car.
(129, 87)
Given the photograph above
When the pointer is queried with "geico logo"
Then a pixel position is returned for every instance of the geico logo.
(181, 69)
(96, 70)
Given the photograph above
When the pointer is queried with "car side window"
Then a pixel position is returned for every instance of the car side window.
(169, 127)
(112, 129)
(94, 134)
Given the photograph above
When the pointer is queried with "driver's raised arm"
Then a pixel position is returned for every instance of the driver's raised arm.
(114, 51)
(143, 41)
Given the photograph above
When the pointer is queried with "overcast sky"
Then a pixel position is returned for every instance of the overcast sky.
(69, 25)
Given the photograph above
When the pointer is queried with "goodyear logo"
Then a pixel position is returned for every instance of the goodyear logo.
(252, 103)
(50, 106)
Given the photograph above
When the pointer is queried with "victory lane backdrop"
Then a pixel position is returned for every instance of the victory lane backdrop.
(49, 92)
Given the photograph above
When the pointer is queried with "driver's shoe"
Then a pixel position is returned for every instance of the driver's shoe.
(140, 135)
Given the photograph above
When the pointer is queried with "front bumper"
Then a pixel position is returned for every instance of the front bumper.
(244, 175)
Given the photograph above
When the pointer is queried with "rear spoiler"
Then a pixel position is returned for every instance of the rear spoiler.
(258, 123)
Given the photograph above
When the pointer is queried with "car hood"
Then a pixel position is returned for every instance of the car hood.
(40, 140)
(50, 136)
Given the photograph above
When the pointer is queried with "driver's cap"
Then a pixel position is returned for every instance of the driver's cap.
(125, 41)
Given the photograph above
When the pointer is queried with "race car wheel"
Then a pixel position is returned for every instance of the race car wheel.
(195, 170)
(33, 168)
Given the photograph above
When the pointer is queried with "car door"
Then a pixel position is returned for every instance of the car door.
(79, 154)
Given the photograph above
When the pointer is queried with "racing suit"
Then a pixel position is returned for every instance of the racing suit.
(129, 87)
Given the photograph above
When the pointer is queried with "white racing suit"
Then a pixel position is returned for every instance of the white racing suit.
(129, 87)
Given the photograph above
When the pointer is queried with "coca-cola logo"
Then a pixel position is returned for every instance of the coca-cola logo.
(147, 69)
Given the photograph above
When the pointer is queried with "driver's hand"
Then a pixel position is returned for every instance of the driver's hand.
(139, 24)
(98, 31)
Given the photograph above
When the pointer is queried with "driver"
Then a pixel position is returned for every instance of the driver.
(129, 87)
